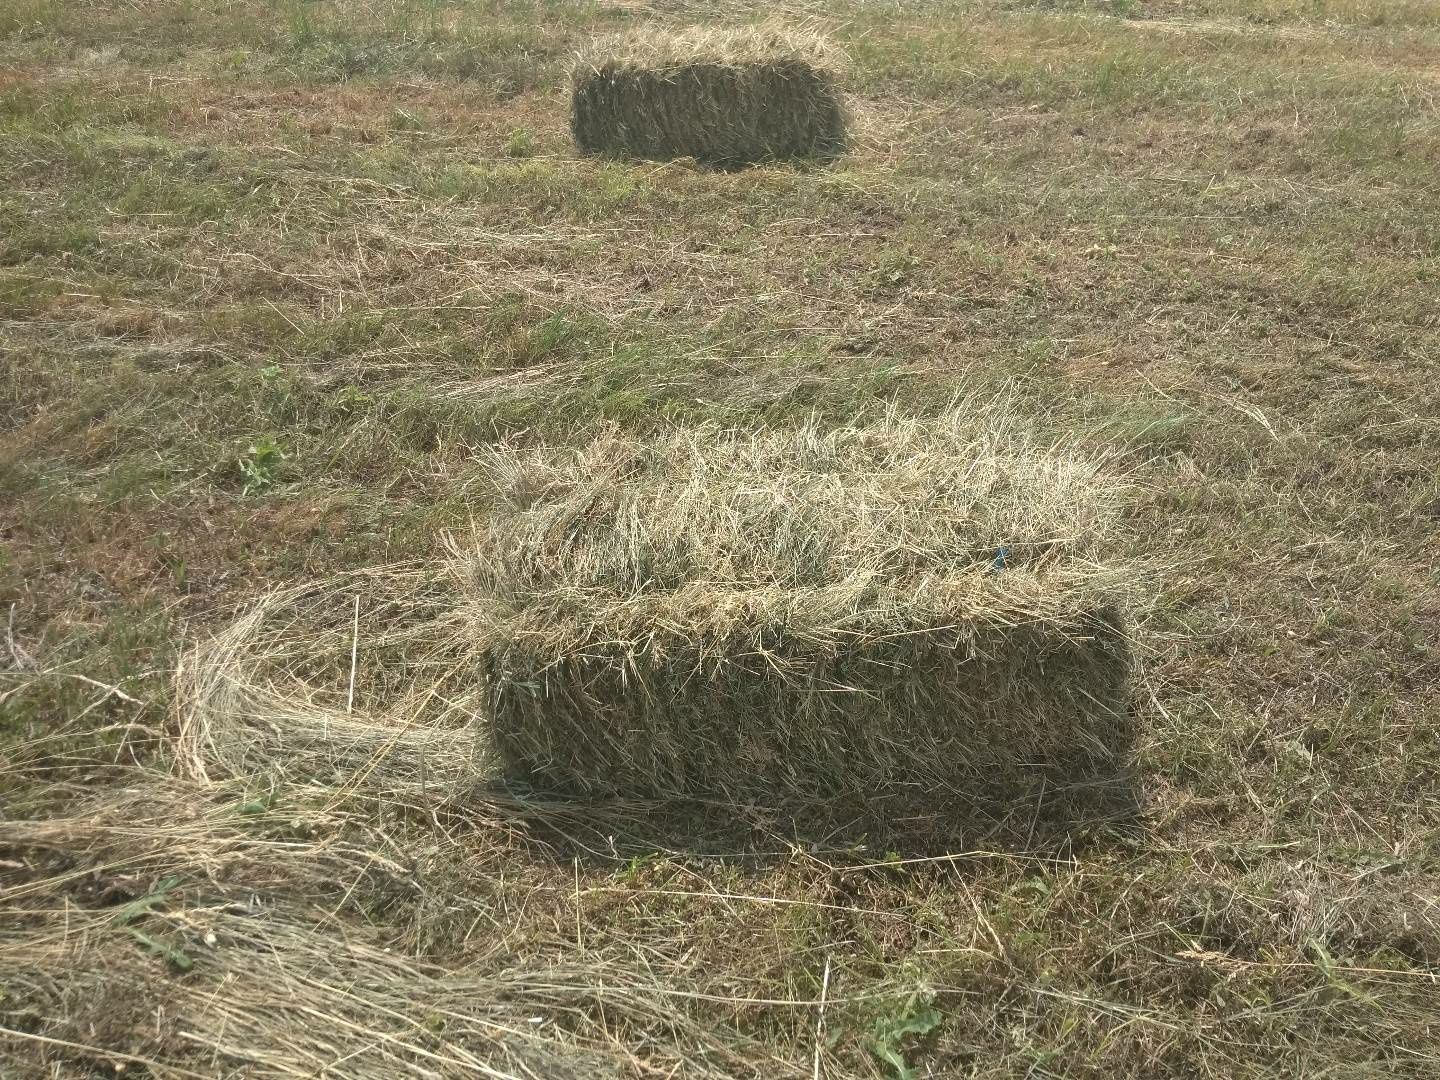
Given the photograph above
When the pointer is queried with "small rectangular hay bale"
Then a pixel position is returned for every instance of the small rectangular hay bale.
(724, 98)
(910, 613)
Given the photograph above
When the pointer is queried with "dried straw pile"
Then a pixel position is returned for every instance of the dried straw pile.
(806, 618)
(725, 98)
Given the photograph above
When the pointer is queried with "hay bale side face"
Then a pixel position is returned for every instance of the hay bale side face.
(952, 716)
(725, 114)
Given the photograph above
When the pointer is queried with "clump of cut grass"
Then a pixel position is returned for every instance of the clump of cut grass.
(280, 694)
(913, 614)
(725, 98)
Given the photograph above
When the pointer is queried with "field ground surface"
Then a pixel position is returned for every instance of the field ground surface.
(274, 275)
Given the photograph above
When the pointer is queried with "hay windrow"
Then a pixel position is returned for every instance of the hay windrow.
(271, 693)
(724, 98)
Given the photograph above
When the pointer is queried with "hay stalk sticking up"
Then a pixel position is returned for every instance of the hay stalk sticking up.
(725, 98)
(912, 612)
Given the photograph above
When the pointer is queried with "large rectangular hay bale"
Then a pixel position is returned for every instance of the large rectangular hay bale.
(911, 612)
(724, 98)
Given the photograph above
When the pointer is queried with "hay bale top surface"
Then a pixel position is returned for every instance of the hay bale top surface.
(765, 44)
(703, 534)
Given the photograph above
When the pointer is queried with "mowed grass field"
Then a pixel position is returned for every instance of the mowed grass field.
(274, 275)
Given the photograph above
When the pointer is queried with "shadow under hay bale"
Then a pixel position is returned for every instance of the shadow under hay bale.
(813, 623)
(726, 100)
(1039, 820)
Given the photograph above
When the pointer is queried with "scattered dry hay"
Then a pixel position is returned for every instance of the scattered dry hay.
(261, 984)
(725, 98)
(313, 889)
(805, 618)
(170, 931)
